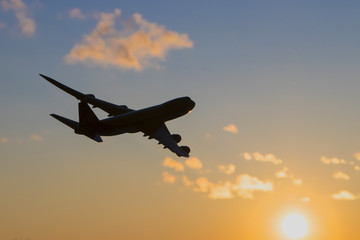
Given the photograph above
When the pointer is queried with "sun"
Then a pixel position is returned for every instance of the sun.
(294, 226)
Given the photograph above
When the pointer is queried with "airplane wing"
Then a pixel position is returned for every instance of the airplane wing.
(110, 108)
(165, 138)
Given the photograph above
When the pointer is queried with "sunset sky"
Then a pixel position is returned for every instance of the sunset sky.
(275, 130)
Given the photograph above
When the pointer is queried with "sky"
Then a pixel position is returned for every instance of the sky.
(274, 132)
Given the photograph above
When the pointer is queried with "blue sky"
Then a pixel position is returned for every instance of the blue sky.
(283, 74)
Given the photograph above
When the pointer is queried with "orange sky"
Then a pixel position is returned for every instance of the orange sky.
(274, 131)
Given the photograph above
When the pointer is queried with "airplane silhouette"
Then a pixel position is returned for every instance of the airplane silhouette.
(150, 121)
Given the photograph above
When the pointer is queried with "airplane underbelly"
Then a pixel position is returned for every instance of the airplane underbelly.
(117, 130)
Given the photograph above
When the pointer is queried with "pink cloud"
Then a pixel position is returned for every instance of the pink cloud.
(230, 128)
(76, 13)
(137, 45)
(27, 24)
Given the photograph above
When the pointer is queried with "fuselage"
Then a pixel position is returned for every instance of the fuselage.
(138, 120)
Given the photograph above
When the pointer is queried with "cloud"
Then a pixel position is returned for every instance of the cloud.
(246, 185)
(221, 191)
(282, 173)
(357, 168)
(297, 181)
(36, 138)
(2, 25)
(344, 195)
(230, 128)
(227, 169)
(247, 156)
(27, 24)
(262, 158)
(168, 178)
(333, 160)
(171, 163)
(341, 175)
(138, 44)
(357, 156)
(187, 182)
(4, 140)
(208, 136)
(203, 184)
(194, 163)
(76, 13)
(214, 190)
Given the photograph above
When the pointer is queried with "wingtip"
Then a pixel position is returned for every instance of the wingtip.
(44, 77)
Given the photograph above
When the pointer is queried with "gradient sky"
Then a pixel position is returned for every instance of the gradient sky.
(275, 129)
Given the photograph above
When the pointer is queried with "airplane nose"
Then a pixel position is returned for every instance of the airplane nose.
(191, 103)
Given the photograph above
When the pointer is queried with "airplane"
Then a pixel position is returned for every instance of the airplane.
(121, 119)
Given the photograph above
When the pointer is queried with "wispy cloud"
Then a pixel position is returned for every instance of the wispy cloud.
(333, 160)
(2, 25)
(247, 156)
(194, 163)
(282, 173)
(171, 163)
(262, 158)
(36, 138)
(221, 190)
(168, 178)
(138, 44)
(19, 140)
(341, 175)
(214, 190)
(208, 136)
(4, 140)
(76, 13)
(227, 169)
(187, 182)
(230, 128)
(344, 195)
(297, 182)
(357, 156)
(246, 185)
(27, 24)
(203, 184)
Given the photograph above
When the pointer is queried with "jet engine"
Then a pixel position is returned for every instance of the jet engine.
(185, 149)
(176, 137)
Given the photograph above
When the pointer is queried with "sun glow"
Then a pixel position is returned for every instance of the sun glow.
(294, 226)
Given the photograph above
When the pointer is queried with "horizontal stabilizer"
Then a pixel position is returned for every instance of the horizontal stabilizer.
(76, 126)
(70, 123)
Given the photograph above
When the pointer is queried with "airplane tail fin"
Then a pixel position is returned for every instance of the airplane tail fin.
(86, 115)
